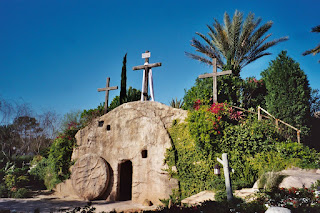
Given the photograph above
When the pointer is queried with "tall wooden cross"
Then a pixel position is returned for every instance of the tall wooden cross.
(107, 93)
(214, 78)
(146, 74)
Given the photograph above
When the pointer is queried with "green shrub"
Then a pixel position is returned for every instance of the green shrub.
(254, 148)
(308, 158)
(55, 168)
(19, 193)
(3, 190)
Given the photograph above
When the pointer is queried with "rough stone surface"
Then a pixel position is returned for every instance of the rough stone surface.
(246, 193)
(298, 178)
(136, 132)
(90, 176)
(199, 198)
(278, 210)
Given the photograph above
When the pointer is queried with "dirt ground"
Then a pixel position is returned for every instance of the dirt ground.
(46, 202)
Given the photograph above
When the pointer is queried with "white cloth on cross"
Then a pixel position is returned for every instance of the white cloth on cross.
(150, 83)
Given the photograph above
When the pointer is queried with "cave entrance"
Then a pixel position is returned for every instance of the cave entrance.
(125, 190)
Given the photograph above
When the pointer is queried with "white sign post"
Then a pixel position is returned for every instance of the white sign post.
(226, 171)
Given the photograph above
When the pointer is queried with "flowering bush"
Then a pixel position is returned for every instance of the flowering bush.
(207, 122)
(296, 199)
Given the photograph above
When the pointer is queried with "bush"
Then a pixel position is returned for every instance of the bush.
(19, 193)
(55, 168)
(3, 190)
(254, 148)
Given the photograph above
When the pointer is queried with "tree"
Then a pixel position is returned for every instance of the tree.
(132, 95)
(288, 91)
(229, 89)
(315, 101)
(315, 50)
(123, 89)
(236, 44)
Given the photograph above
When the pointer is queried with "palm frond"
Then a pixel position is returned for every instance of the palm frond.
(316, 29)
(313, 51)
(238, 42)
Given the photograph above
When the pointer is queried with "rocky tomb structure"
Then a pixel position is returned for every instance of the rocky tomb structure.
(120, 156)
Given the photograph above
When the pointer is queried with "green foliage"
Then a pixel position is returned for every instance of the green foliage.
(288, 92)
(187, 164)
(315, 101)
(55, 168)
(87, 116)
(132, 95)
(254, 148)
(175, 103)
(229, 90)
(270, 180)
(253, 93)
(202, 90)
(123, 89)
(14, 177)
(305, 157)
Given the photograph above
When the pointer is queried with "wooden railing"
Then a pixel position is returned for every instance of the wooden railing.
(260, 116)
(277, 122)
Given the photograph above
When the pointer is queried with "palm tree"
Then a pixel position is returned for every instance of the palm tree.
(236, 44)
(315, 50)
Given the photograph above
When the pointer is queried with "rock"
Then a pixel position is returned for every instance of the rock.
(147, 202)
(278, 210)
(90, 176)
(296, 177)
(133, 139)
(199, 198)
(245, 193)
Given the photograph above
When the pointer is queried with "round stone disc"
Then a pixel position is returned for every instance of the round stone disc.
(90, 176)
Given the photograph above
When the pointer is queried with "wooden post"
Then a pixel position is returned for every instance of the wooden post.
(298, 136)
(226, 171)
(259, 113)
(107, 93)
(214, 84)
(277, 124)
(214, 75)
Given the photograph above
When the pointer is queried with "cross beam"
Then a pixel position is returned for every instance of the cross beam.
(214, 75)
(146, 67)
(107, 93)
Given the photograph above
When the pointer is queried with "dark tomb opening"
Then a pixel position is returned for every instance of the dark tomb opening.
(125, 191)
(108, 127)
(144, 153)
(100, 123)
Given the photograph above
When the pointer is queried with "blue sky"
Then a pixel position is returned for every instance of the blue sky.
(54, 54)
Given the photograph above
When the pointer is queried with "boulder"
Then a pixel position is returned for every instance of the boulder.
(278, 210)
(296, 177)
(90, 176)
(199, 198)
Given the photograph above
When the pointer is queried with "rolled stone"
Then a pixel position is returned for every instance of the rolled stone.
(90, 176)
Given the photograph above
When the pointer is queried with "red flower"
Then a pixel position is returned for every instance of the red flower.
(197, 104)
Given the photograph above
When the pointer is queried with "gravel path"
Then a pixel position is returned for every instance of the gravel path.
(56, 204)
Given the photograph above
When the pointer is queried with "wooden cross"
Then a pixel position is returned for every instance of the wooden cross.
(146, 67)
(214, 78)
(107, 93)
